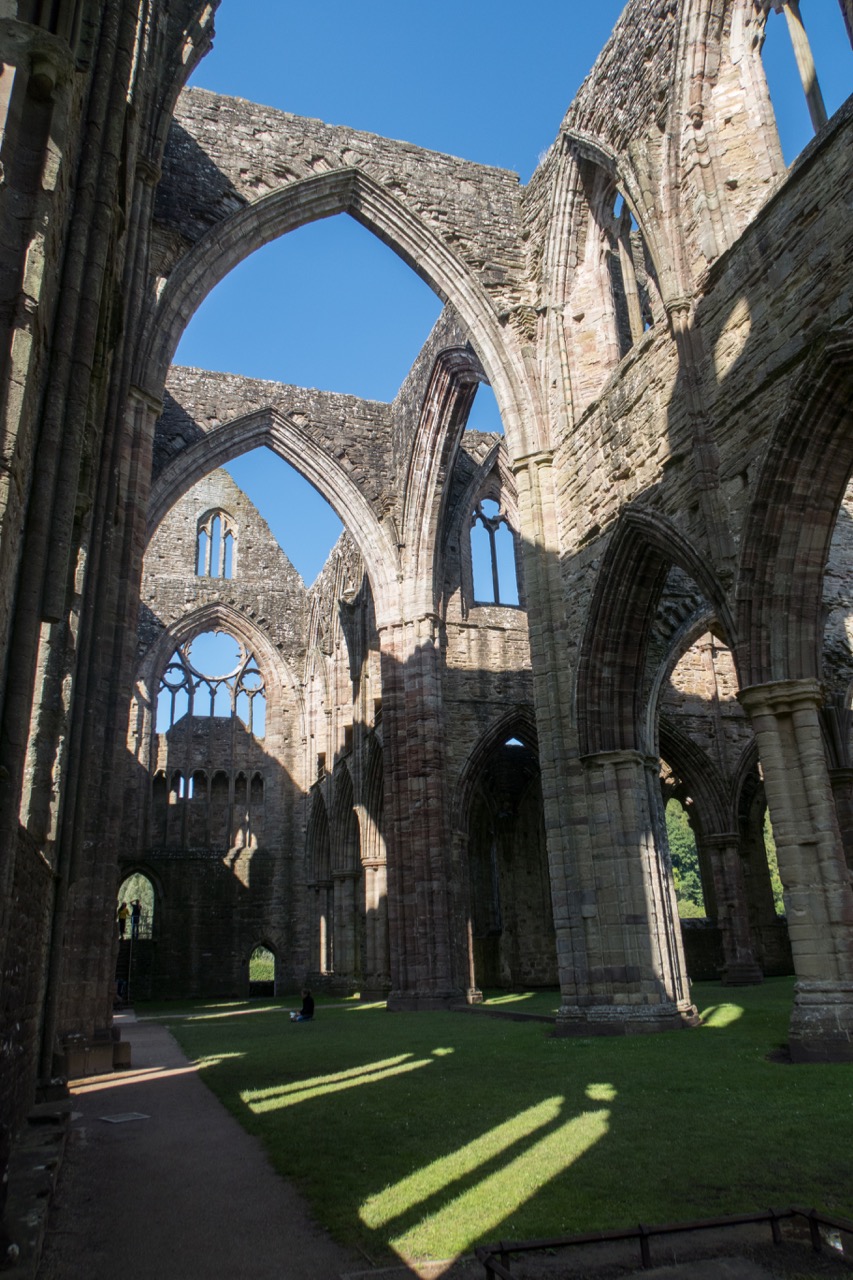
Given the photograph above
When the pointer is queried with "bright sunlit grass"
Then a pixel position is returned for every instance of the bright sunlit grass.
(421, 1135)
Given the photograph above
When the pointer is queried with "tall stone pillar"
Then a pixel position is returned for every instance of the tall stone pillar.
(740, 967)
(321, 940)
(376, 979)
(636, 979)
(345, 926)
(786, 719)
(427, 960)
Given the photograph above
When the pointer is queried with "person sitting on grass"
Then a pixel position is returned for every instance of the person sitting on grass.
(306, 1013)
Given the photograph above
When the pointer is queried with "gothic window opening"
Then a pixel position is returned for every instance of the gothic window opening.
(493, 555)
(215, 543)
(212, 675)
(791, 57)
(805, 51)
(632, 278)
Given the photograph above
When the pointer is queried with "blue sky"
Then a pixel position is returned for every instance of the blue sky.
(329, 305)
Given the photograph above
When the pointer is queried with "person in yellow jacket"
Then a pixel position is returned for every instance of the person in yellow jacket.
(123, 913)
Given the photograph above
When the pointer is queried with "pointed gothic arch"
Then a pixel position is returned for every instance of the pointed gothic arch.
(323, 195)
(292, 442)
(643, 547)
(455, 377)
(789, 529)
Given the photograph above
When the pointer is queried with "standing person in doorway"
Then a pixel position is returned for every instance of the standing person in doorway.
(135, 917)
(123, 913)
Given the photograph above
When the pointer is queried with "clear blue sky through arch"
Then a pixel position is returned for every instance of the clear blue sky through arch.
(489, 80)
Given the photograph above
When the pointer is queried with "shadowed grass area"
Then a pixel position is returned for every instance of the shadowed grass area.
(424, 1134)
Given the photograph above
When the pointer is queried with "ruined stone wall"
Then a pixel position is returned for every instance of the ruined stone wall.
(224, 152)
(702, 699)
(24, 976)
(228, 860)
(354, 433)
(838, 603)
(486, 676)
(77, 162)
(635, 445)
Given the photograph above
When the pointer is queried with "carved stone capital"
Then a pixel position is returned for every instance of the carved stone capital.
(781, 697)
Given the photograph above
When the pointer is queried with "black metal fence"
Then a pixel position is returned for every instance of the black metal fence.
(496, 1257)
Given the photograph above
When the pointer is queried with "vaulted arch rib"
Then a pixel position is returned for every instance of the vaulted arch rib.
(453, 384)
(641, 551)
(791, 521)
(700, 776)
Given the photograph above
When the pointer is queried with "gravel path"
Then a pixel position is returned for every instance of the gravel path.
(183, 1194)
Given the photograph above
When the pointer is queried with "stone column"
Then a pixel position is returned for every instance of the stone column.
(629, 276)
(345, 933)
(427, 961)
(818, 898)
(636, 979)
(740, 967)
(376, 978)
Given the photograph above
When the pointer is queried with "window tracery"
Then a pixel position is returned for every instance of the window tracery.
(222, 689)
(493, 555)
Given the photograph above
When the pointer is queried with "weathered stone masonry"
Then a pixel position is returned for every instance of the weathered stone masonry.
(665, 318)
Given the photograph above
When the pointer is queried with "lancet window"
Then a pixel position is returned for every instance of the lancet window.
(632, 277)
(216, 540)
(212, 675)
(493, 555)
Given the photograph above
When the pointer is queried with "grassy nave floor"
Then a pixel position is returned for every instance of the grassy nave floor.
(425, 1134)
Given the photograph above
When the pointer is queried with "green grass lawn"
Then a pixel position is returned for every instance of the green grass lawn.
(424, 1134)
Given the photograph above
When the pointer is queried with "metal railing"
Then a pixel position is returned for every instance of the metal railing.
(496, 1257)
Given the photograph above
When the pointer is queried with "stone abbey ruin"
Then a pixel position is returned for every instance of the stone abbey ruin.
(402, 784)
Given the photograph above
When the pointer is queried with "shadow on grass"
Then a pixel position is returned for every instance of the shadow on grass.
(422, 1135)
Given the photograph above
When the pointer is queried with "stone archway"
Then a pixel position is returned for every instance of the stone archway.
(503, 863)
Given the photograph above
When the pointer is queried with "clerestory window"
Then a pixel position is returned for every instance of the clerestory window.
(212, 675)
(493, 555)
(215, 545)
(632, 279)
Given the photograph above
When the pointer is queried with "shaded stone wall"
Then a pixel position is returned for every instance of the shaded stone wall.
(24, 975)
(78, 169)
(229, 861)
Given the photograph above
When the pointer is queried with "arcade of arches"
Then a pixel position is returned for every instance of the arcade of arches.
(397, 782)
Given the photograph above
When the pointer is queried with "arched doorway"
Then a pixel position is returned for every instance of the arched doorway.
(262, 963)
(510, 918)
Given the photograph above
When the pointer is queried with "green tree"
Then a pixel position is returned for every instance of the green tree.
(261, 965)
(773, 865)
(685, 863)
